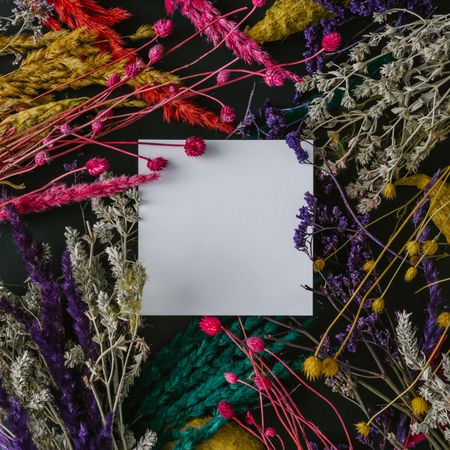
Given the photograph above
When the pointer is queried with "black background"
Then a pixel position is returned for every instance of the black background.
(50, 226)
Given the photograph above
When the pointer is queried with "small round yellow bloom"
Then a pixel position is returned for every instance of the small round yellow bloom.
(319, 265)
(330, 367)
(368, 265)
(389, 191)
(443, 319)
(410, 274)
(419, 406)
(414, 260)
(312, 368)
(429, 248)
(363, 429)
(412, 248)
(378, 305)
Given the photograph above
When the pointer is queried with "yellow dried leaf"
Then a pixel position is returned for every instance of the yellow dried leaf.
(286, 17)
(439, 210)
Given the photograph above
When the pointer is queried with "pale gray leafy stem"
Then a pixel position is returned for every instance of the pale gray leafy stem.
(395, 105)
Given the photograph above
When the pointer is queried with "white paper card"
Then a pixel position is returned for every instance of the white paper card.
(216, 231)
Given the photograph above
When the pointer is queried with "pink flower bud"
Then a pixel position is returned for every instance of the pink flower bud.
(270, 432)
(97, 166)
(97, 126)
(65, 129)
(210, 325)
(274, 77)
(194, 146)
(331, 42)
(157, 164)
(48, 142)
(255, 344)
(133, 68)
(230, 377)
(41, 158)
(259, 3)
(113, 80)
(163, 28)
(222, 77)
(155, 53)
(227, 114)
(263, 382)
(225, 409)
(249, 418)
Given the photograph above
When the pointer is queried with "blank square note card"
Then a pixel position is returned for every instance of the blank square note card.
(216, 231)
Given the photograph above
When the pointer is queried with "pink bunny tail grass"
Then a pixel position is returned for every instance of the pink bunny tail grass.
(202, 12)
(60, 194)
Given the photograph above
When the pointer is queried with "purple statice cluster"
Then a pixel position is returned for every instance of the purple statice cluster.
(343, 13)
(60, 305)
(327, 224)
(275, 120)
(29, 15)
(294, 141)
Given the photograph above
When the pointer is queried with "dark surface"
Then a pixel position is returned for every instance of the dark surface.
(50, 226)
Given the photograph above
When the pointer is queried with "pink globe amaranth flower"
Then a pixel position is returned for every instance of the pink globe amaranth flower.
(157, 164)
(225, 409)
(156, 53)
(222, 77)
(41, 158)
(227, 114)
(274, 77)
(48, 142)
(194, 146)
(163, 28)
(255, 344)
(97, 166)
(133, 68)
(65, 129)
(113, 80)
(97, 126)
(249, 419)
(210, 325)
(259, 3)
(230, 377)
(331, 42)
(270, 432)
(263, 382)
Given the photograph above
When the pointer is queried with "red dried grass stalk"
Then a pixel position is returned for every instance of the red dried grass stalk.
(88, 14)
(184, 110)
(60, 194)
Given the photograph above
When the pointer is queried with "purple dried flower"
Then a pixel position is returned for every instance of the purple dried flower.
(17, 422)
(293, 140)
(77, 310)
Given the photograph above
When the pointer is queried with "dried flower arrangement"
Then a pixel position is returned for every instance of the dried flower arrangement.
(389, 119)
(70, 346)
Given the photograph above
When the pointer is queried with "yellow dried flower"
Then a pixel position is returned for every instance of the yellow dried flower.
(378, 305)
(414, 260)
(429, 248)
(443, 319)
(363, 429)
(419, 406)
(389, 191)
(369, 265)
(312, 368)
(330, 367)
(319, 265)
(412, 248)
(410, 274)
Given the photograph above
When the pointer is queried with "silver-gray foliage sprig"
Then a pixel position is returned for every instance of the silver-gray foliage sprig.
(103, 348)
(394, 105)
